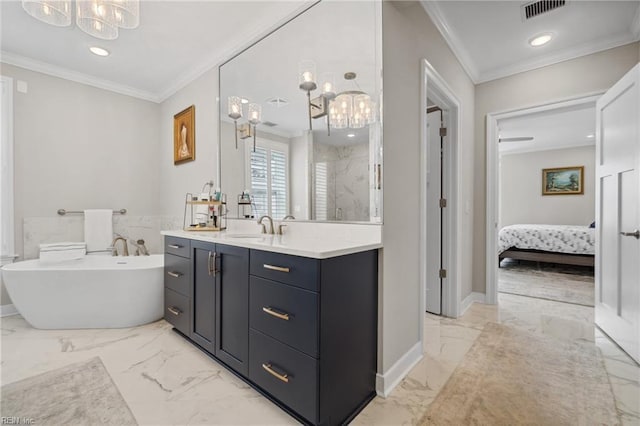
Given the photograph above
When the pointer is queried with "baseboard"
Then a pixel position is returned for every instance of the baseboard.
(7, 310)
(473, 297)
(386, 382)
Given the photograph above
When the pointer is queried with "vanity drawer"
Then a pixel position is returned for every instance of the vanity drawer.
(178, 246)
(288, 375)
(177, 274)
(294, 270)
(176, 310)
(286, 313)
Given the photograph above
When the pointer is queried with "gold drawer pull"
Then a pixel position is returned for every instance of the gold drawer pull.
(283, 377)
(174, 246)
(270, 311)
(174, 311)
(275, 268)
(174, 274)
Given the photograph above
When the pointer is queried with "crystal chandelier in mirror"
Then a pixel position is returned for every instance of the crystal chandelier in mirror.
(352, 109)
(98, 18)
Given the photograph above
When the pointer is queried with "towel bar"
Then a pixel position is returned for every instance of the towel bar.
(62, 212)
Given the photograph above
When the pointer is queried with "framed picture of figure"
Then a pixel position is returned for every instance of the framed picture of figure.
(184, 135)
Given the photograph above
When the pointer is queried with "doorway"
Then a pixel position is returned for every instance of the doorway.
(439, 245)
(493, 187)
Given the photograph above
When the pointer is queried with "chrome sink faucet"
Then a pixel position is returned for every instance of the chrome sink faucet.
(264, 228)
(125, 250)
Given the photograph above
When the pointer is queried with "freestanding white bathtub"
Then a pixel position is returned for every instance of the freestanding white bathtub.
(92, 292)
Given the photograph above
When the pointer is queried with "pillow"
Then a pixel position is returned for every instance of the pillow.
(593, 225)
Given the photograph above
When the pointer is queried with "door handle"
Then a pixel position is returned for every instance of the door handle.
(174, 274)
(211, 263)
(635, 233)
(174, 246)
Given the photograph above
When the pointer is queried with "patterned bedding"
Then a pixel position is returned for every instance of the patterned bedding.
(553, 238)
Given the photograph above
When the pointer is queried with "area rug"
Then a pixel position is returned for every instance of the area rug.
(562, 283)
(512, 377)
(78, 394)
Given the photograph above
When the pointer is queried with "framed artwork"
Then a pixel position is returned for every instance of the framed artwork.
(184, 135)
(563, 181)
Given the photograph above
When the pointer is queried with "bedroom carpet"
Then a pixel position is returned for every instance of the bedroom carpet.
(78, 394)
(562, 283)
(506, 379)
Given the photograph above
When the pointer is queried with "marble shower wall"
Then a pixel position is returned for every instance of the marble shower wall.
(347, 180)
(40, 230)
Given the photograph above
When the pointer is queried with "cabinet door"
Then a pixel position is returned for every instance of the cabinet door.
(232, 307)
(203, 301)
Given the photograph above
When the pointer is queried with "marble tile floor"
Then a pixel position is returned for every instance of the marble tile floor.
(166, 380)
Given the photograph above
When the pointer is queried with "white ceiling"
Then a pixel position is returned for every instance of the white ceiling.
(175, 42)
(557, 129)
(491, 40)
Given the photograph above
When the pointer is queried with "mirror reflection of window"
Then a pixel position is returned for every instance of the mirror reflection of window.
(269, 178)
(321, 191)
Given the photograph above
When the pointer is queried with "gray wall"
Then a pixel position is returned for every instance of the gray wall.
(79, 147)
(408, 37)
(577, 77)
(521, 199)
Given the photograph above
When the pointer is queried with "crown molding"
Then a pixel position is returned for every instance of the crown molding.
(78, 77)
(221, 56)
(454, 43)
(561, 56)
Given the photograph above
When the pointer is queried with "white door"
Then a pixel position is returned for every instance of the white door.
(434, 213)
(618, 213)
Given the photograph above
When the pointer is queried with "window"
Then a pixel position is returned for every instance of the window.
(269, 178)
(321, 191)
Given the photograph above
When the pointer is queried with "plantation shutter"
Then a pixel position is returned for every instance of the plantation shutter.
(269, 182)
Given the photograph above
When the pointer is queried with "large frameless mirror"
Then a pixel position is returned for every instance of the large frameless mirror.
(300, 119)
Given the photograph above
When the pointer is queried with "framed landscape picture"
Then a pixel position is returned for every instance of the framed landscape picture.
(563, 181)
(184, 136)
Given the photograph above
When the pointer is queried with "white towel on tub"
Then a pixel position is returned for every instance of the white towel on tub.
(98, 229)
(56, 252)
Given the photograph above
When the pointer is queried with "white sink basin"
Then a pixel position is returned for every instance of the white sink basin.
(247, 236)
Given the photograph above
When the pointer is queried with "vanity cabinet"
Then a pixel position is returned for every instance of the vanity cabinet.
(300, 330)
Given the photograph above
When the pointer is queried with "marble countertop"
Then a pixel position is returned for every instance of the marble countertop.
(287, 244)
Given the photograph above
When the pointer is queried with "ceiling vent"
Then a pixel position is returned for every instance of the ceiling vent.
(277, 102)
(536, 8)
(269, 124)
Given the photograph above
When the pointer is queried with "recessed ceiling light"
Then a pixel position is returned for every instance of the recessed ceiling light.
(591, 136)
(541, 39)
(99, 51)
(351, 135)
(244, 100)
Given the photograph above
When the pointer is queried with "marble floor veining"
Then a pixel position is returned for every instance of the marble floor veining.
(166, 381)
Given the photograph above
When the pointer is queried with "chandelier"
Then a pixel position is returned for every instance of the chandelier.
(347, 109)
(98, 18)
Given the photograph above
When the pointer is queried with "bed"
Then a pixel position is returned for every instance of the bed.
(562, 244)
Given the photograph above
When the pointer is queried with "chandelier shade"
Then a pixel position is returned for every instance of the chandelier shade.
(97, 18)
(52, 12)
(126, 13)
